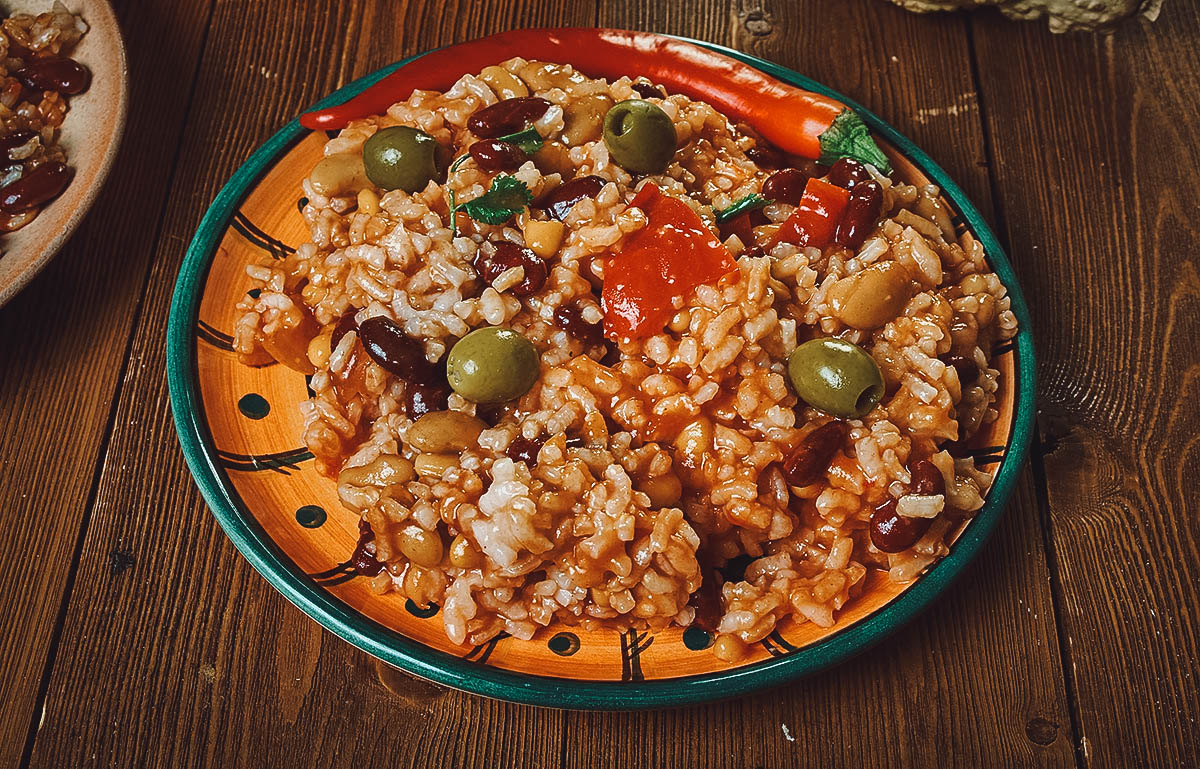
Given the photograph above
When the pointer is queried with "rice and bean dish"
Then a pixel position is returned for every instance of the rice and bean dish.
(589, 352)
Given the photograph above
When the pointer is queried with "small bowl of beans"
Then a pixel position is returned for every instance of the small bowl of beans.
(63, 88)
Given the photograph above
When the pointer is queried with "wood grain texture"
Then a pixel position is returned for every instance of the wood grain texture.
(65, 343)
(173, 652)
(1101, 204)
(188, 657)
(978, 677)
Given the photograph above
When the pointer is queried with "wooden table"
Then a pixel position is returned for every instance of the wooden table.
(133, 634)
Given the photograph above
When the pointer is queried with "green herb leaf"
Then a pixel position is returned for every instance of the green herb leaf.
(454, 166)
(751, 202)
(503, 200)
(529, 140)
(848, 137)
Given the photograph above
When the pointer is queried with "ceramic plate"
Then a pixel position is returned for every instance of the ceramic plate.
(90, 135)
(240, 428)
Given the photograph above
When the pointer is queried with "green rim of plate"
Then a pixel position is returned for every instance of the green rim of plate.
(402, 652)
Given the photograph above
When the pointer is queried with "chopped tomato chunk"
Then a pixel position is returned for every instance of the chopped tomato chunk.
(815, 220)
(660, 265)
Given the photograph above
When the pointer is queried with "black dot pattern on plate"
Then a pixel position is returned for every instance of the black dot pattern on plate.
(696, 639)
(564, 644)
(254, 406)
(310, 516)
(423, 612)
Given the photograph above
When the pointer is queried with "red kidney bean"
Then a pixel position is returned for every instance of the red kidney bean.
(558, 201)
(495, 155)
(968, 369)
(36, 187)
(810, 460)
(892, 532)
(388, 345)
(926, 478)
(649, 90)
(497, 257)
(569, 317)
(786, 186)
(361, 561)
(766, 156)
(344, 326)
(848, 173)
(62, 75)
(506, 117)
(862, 212)
(421, 399)
(523, 449)
(15, 139)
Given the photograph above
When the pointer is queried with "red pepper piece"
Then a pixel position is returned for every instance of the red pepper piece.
(660, 264)
(815, 220)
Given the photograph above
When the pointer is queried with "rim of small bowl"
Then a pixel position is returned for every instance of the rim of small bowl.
(440, 667)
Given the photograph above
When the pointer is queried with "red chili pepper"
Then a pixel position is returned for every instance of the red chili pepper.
(815, 220)
(660, 264)
(790, 118)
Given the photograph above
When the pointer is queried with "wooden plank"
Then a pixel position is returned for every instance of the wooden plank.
(1094, 139)
(65, 343)
(978, 676)
(186, 656)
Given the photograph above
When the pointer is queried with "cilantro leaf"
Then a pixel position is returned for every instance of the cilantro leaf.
(529, 140)
(742, 205)
(848, 137)
(503, 200)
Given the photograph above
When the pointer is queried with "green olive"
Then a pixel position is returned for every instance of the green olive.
(836, 377)
(639, 136)
(492, 365)
(400, 158)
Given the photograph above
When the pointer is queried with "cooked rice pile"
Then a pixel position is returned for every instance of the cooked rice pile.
(660, 464)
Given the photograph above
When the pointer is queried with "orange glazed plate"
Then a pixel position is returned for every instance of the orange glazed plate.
(240, 430)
